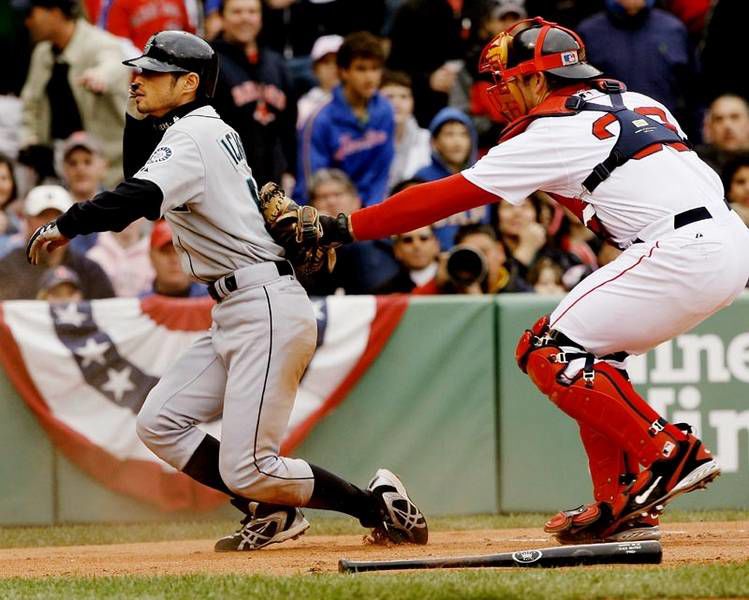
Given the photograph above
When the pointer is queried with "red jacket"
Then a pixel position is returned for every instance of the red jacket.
(138, 20)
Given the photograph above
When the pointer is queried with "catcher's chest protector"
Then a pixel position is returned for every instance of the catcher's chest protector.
(639, 134)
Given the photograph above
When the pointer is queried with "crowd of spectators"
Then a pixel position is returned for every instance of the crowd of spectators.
(342, 102)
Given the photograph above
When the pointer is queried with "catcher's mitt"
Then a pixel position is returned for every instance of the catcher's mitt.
(296, 228)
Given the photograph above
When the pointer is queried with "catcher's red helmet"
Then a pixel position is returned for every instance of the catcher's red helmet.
(531, 46)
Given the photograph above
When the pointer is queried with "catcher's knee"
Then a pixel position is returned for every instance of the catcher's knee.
(544, 354)
(531, 340)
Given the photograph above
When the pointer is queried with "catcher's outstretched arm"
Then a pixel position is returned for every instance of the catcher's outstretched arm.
(418, 206)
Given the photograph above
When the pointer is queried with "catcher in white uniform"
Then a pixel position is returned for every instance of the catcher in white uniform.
(622, 164)
(246, 369)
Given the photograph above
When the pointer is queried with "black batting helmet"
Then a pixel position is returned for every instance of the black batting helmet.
(180, 52)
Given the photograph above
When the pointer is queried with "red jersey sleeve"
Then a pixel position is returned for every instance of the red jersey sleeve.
(418, 206)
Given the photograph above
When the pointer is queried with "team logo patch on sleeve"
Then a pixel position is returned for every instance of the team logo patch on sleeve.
(159, 155)
(569, 58)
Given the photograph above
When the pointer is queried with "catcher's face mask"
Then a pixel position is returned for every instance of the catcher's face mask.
(530, 46)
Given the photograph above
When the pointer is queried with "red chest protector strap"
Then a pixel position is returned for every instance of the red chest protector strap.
(557, 105)
(553, 106)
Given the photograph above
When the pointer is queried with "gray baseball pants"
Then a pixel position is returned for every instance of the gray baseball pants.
(246, 369)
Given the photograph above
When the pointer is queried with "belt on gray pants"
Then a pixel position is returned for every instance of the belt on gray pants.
(222, 287)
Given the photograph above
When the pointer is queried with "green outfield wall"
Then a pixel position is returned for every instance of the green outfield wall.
(445, 407)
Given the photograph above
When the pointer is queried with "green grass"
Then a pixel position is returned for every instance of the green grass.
(701, 581)
(84, 534)
(717, 580)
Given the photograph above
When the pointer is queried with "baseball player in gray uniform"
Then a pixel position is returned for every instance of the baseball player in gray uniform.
(247, 368)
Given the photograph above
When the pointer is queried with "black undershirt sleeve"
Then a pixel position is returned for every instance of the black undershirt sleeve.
(139, 140)
(113, 210)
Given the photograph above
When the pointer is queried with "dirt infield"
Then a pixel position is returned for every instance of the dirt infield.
(682, 543)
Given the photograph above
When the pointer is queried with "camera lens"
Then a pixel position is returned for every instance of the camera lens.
(465, 266)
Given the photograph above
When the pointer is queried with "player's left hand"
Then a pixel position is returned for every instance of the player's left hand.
(45, 239)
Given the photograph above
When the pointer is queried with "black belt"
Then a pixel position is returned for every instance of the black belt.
(685, 218)
(230, 282)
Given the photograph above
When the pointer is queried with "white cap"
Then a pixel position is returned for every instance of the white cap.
(501, 8)
(327, 44)
(44, 197)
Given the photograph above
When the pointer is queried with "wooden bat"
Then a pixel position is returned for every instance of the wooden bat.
(646, 552)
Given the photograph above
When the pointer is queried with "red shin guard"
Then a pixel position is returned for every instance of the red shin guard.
(607, 463)
(603, 399)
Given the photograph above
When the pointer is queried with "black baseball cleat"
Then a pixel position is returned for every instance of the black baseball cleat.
(402, 521)
(690, 467)
(259, 531)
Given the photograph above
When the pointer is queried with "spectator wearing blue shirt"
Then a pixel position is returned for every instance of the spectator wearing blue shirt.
(645, 47)
(355, 131)
(454, 147)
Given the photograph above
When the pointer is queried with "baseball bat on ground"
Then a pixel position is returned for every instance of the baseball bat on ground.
(646, 552)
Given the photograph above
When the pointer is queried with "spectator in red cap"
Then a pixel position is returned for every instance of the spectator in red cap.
(170, 279)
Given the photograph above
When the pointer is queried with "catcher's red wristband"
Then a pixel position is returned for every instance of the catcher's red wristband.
(418, 206)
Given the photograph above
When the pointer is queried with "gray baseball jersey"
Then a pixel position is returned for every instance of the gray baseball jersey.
(210, 197)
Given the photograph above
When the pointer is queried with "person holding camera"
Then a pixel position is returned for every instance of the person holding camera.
(477, 264)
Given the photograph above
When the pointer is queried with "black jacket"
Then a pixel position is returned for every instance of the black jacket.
(256, 98)
(22, 280)
(400, 284)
